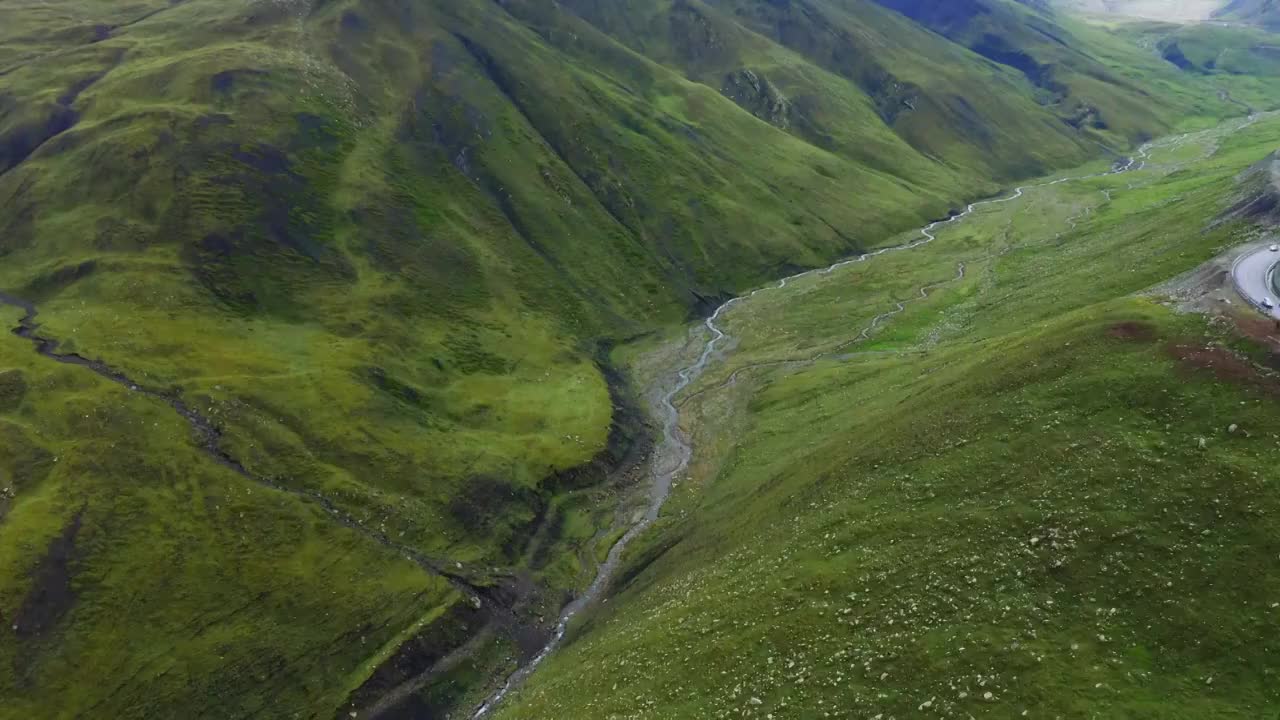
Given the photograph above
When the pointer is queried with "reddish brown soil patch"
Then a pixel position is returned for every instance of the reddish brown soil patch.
(1258, 328)
(1135, 331)
(1224, 365)
(1264, 332)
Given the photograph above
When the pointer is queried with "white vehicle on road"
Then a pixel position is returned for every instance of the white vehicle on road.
(1274, 248)
(1267, 303)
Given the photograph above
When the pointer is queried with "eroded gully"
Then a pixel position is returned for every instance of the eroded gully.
(673, 451)
(209, 439)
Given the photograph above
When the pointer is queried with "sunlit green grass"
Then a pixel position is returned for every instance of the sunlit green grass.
(1064, 501)
(380, 246)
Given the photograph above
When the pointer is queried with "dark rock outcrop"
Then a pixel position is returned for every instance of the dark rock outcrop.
(753, 92)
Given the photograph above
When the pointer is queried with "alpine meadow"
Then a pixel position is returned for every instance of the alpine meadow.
(639, 359)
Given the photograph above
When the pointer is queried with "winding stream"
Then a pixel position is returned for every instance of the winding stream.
(673, 452)
(670, 457)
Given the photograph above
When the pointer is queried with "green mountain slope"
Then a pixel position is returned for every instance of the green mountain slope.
(1254, 12)
(1033, 489)
(331, 286)
(845, 67)
(1224, 52)
(1078, 84)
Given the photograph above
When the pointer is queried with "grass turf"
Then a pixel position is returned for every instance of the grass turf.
(1044, 495)
(379, 243)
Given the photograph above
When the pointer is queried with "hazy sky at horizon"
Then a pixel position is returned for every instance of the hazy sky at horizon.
(1173, 10)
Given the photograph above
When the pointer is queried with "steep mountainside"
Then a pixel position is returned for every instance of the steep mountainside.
(323, 293)
(1025, 469)
(1255, 12)
(1226, 53)
(1074, 84)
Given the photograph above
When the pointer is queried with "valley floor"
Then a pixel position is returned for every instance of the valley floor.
(993, 474)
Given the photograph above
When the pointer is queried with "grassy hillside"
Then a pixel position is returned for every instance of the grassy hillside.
(347, 273)
(1102, 73)
(1071, 79)
(835, 69)
(1032, 492)
(1230, 54)
(1254, 12)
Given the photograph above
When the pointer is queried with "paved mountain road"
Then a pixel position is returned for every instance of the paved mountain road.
(1252, 274)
